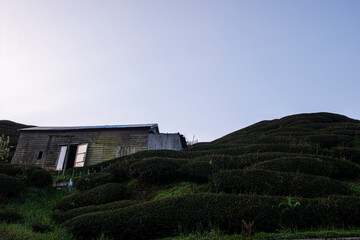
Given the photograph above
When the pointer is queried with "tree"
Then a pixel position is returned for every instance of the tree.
(4, 148)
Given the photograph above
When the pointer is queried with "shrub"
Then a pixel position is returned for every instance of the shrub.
(248, 159)
(156, 170)
(60, 217)
(330, 211)
(350, 154)
(157, 153)
(10, 169)
(277, 183)
(223, 161)
(281, 148)
(132, 157)
(102, 194)
(260, 148)
(39, 178)
(10, 186)
(3, 200)
(245, 160)
(168, 217)
(121, 170)
(94, 180)
(335, 168)
(9, 215)
(198, 171)
(41, 227)
(329, 140)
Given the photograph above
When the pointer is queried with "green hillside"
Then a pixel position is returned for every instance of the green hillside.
(298, 173)
(324, 130)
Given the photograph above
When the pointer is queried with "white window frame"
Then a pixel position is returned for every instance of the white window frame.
(80, 155)
(61, 158)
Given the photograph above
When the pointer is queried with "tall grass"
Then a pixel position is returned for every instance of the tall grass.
(21, 231)
(178, 189)
(35, 206)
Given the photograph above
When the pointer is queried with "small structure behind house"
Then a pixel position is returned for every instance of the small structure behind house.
(61, 148)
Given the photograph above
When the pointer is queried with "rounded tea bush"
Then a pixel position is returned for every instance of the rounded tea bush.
(198, 171)
(121, 170)
(222, 161)
(277, 183)
(166, 217)
(350, 154)
(94, 180)
(334, 168)
(106, 193)
(60, 217)
(171, 216)
(156, 170)
(10, 169)
(329, 140)
(10, 186)
(39, 178)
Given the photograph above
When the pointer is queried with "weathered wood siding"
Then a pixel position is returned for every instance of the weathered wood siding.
(103, 144)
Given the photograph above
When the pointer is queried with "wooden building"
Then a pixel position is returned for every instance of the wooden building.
(61, 148)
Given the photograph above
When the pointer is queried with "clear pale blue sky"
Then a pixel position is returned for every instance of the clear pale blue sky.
(198, 67)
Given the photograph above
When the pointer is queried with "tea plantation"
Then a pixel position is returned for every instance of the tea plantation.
(299, 172)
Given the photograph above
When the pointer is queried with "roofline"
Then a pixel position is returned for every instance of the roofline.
(153, 126)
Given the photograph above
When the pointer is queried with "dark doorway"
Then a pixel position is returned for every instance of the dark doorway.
(71, 157)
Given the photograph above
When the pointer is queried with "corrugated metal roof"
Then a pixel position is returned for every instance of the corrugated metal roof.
(152, 126)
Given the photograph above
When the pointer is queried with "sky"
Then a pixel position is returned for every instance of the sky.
(203, 68)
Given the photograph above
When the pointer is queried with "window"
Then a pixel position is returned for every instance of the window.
(61, 158)
(80, 155)
(40, 155)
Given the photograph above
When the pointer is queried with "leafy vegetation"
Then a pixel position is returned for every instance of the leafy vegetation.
(35, 207)
(156, 170)
(4, 148)
(94, 180)
(177, 189)
(277, 183)
(106, 193)
(9, 215)
(227, 211)
(9, 169)
(39, 178)
(60, 217)
(334, 168)
(10, 186)
(10, 129)
(286, 178)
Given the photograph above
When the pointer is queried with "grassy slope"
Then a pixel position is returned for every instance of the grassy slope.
(35, 206)
(295, 129)
(312, 135)
(303, 129)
